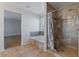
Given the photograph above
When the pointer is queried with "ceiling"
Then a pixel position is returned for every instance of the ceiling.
(33, 7)
(61, 4)
(8, 15)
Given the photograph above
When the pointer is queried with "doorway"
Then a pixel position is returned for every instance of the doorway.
(12, 29)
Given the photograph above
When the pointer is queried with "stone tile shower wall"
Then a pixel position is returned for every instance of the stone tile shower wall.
(68, 17)
(57, 27)
(66, 26)
(57, 24)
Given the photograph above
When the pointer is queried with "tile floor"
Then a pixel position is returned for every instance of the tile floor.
(25, 51)
(32, 50)
(69, 52)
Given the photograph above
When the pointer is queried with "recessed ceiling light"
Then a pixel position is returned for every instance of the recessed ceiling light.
(27, 6)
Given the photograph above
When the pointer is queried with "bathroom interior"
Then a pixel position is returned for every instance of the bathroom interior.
(62, 29)
(63, 25)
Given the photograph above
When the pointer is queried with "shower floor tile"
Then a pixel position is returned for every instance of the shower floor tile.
(69, 52)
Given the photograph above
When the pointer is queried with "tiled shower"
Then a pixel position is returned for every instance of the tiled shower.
(65, 29)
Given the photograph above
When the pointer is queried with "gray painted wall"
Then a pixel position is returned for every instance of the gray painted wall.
(12, 24)
(12, 27)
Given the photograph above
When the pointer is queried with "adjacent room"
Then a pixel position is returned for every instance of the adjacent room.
(12, 29)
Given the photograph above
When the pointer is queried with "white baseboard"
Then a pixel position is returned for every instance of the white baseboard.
(25, 43)
(11, 35)
(2, 50)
